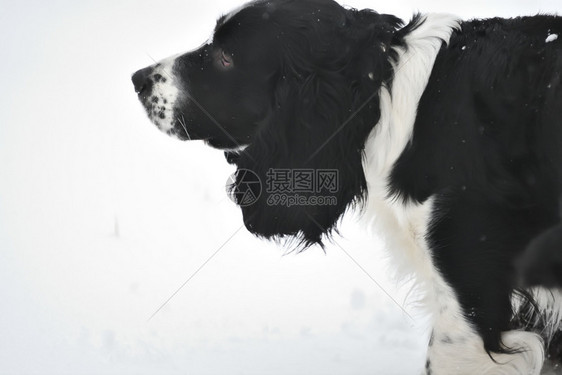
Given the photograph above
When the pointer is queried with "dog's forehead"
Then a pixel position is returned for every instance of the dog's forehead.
(238, 11)
(254, 10)
(243, 22)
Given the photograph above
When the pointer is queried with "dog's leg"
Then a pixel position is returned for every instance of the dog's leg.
(455, 348)
(473, 242)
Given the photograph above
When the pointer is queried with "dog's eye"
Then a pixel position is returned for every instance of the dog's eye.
(226, 59)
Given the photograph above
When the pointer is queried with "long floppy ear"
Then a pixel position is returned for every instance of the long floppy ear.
(307, 154)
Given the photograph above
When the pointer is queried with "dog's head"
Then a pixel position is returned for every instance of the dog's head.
(292, 86)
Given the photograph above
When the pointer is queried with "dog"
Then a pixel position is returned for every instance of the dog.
(446, 134)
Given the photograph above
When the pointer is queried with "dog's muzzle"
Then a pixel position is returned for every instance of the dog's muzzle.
(156, 90)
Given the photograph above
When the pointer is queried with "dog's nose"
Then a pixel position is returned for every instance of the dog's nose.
(140, 79)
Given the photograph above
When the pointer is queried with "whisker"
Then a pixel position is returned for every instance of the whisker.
(184, 126)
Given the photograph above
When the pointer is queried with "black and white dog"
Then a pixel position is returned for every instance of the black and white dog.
(447, 133)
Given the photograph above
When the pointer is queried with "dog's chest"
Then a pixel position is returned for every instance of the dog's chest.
(409, 221)
(404, 227)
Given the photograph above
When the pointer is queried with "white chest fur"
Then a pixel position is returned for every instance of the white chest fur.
(404, 225)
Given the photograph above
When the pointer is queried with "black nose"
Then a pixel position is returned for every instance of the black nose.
(141, 80)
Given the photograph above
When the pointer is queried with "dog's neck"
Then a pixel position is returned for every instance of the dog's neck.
(399, 103)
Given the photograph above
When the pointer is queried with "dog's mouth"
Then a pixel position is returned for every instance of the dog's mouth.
(179, 129)
(161, 113)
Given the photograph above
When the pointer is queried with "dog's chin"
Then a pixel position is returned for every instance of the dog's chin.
(172, 129)
(225, 145)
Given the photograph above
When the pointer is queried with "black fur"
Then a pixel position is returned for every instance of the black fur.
(324, 107)
(541, 264)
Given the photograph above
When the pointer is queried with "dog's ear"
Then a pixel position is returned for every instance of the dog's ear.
(307, 153)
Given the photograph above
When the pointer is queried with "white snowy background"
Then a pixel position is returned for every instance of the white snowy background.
(103, 218)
